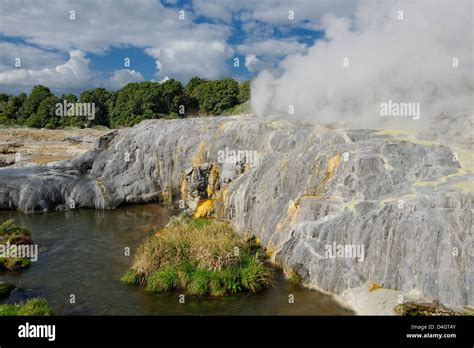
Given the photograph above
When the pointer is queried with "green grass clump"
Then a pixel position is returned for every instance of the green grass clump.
(5, 289)
(295, 278)
(34, 306)
(199, 257)
(134, 277)
(9, 231)
(13, 234)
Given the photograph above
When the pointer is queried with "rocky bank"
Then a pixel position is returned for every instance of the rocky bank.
(340, 207)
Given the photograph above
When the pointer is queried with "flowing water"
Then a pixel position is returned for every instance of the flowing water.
(82, 253)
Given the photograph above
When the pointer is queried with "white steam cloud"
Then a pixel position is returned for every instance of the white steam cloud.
(402, 51)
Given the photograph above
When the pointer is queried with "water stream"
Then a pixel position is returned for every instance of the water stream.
(82, 254)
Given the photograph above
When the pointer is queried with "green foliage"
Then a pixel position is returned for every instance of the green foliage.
(9, 230)
(5, 289)
(14, 263)
(244, 91)
(171, 96)
(198, 256)
(38, 93)
(128, 106)
(165, 279)
(295, 278)
(134, 277)
(73, 122)
(32, 307)
(243, 108)
(12, 111)
(102, 100)
(144, 100)
(10, 233)
(193, 83)
(45, 116)
(216, 96)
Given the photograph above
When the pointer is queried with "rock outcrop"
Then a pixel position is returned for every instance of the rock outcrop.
(337, 206)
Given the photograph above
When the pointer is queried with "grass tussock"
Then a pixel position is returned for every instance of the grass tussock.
(199, 257)
(5, 289)
(34, 306)
(12, 234)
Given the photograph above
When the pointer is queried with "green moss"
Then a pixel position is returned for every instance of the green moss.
(243, 108)
(423, 309)
(295, 278)
(10, 233)
(34, 306)
(9, 230)
(14, 263)
(5, 289)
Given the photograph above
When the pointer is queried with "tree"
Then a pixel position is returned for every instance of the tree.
(189, 96)
(66, 121)
(47, 112)
(3, 107)
(218, 95)
(143, 100)
(38, 93)
(193, 83)
(45, 116)
(101, 99)
(244, 91)
(172, 96)
(30, 107)
(13, 112)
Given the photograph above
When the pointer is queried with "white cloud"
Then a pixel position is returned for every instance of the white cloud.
(73, 74)
(101, 25)
(221, 10)
(407, 60)
(30, 57)
(184, 59)
(182, 48)
(98, 25)
(123, 76)
(275, 12)
(272, 47)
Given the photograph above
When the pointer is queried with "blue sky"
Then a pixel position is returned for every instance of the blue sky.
(71, 45)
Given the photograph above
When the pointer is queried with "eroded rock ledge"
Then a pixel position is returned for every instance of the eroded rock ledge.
(407, 202)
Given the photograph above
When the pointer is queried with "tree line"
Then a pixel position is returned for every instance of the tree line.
(126, 107)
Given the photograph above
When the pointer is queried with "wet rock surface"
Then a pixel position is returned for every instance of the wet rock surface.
(314, 196)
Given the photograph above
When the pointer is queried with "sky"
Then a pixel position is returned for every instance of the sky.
(323, 60)
(70, 46)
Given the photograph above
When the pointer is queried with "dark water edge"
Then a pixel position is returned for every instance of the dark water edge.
(82, 253)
